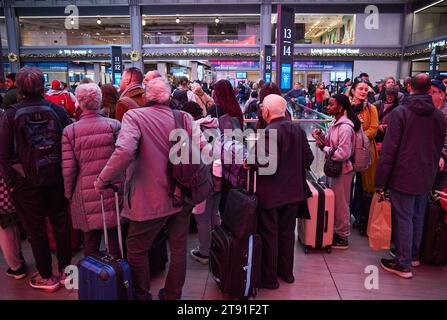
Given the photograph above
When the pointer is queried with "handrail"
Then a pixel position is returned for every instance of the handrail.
(295, 120)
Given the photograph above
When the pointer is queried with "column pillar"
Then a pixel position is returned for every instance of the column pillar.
(265, 31)
(136, 33)
(162, 68)
(13, 32)
(97, 72)
(194, 72)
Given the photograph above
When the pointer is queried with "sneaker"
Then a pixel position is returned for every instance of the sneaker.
(196, 255)
(390, 265)
(340, 243)
(17, 274)
(414, 262)
(62, 278)
(51, 284)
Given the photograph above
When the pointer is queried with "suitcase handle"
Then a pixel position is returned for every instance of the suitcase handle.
(254, 181)
(118, 221)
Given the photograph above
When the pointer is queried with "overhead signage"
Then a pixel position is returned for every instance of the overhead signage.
(433, 66)
(201, 51)
(439, 43)
(224, 65)
(117, 64)
(71, 52)
(268, 63)
(285, 40)
(318, 51)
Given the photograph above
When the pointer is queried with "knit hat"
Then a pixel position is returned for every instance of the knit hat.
(55, 84)
(439, 84)
(392, 90)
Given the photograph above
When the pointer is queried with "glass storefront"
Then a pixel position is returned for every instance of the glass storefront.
(430, 23)
(235, 71)
(325, 72)
(72, 72)
(423, 66)
(201, 29)
(61, 31)
(321, 29)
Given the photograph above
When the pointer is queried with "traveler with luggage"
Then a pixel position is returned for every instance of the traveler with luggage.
(34, 172)
(364, 181)
(143, 148)
(338, 144)
(280, 193)
(406, 151)
(86, 147)
(207, 214)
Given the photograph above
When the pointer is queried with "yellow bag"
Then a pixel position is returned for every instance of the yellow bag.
(379, 223)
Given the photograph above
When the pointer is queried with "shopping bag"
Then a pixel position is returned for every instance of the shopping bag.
(379, 224)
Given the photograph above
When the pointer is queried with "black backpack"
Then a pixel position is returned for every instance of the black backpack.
(194, 179)
(38, 135)
(179, 99)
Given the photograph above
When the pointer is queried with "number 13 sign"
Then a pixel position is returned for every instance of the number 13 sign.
(284, 46)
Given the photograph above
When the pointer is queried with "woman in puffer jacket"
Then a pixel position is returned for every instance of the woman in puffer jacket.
(86, 147)
(339, 142)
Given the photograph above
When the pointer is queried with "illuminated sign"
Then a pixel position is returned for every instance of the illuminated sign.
(318, 51)
(201, 51)
(71, 52)
(284, 45)
(439, 43)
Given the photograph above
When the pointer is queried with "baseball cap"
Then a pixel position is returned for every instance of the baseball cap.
(439, 84)
(55, 84)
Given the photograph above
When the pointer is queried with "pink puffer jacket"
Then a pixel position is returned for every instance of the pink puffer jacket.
(86, 147)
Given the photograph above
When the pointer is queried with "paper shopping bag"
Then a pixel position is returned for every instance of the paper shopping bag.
(379, 224)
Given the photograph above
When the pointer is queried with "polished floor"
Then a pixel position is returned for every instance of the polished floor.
(339, 275)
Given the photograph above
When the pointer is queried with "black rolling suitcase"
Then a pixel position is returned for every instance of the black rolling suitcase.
(434, 240)
(235, 264)
(235, 255)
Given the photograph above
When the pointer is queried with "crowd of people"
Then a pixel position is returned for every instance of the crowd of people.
(103, 136)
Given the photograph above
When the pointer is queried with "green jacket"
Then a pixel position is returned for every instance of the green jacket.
(10, 97)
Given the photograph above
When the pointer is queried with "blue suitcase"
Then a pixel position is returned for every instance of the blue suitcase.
(102, 276)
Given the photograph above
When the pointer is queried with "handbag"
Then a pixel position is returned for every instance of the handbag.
(6, 205)
(332, 168)
(379, 224)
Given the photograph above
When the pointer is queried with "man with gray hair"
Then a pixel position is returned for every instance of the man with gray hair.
(281, 193)
(86, 147)
(151, 75)
(143, 149)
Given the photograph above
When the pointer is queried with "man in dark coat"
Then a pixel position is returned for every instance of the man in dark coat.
(10, 97)
(407, 166)
(281, 188)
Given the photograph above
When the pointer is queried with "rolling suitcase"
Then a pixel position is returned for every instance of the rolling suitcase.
(102, 276)
(235, 264)
(434, 239)
(235, 258)
(318, 232)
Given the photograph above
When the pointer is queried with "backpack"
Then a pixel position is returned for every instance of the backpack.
(361, 157)
(179, 98)
(194, 180)
(38, 135)
(63, 99)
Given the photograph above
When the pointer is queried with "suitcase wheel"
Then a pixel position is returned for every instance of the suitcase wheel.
(306, 250)
(328, 249)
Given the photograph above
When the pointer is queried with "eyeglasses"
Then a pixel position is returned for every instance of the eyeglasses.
(360, 80)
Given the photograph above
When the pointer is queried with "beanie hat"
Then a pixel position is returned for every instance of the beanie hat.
(55, 84)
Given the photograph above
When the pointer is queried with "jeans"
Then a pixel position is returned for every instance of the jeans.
(33, 205)
(277, 230)
(206, 221)
(92, 242)
(408, 215)
(342, 189)
(11, 246)
(139, 241)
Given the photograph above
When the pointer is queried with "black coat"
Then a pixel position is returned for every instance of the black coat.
(412, 146)
(288, 184)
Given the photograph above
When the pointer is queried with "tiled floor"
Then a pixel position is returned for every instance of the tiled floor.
(319, 275)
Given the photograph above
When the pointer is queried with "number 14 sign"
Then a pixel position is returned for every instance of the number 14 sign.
(284, 46)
